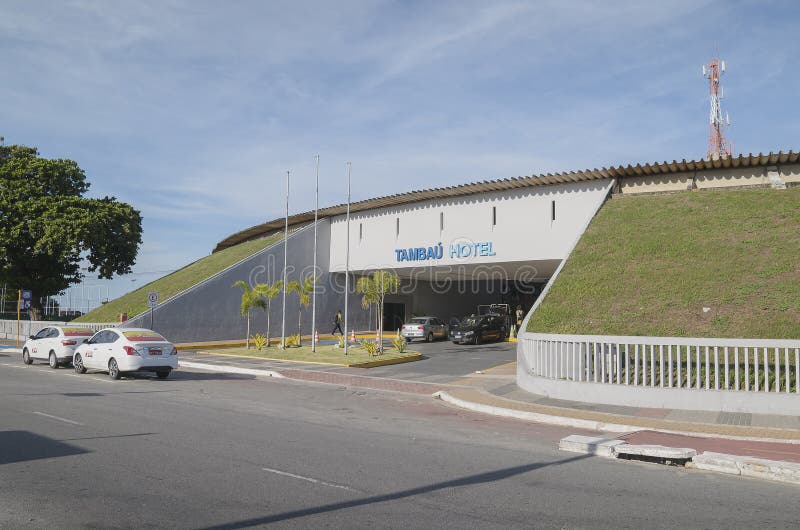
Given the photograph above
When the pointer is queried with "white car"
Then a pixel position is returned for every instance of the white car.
(120, 350)
(55, 344)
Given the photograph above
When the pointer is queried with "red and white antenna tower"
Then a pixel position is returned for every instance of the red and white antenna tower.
(718, 147)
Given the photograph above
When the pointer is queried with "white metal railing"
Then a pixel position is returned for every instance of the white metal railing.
(748, 365)
(8, 328)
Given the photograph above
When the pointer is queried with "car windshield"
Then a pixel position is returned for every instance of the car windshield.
(418, 320)
(470, 321)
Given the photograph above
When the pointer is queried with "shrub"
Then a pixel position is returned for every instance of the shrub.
(370, 346)
(259, 340)
(341, 341)
(292, 341)
(400, 344)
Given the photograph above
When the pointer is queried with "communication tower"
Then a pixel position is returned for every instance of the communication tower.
(718, 147)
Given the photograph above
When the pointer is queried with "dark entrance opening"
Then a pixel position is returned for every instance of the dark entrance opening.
(394, 315)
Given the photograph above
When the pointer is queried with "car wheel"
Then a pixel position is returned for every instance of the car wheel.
(429, 338)
(77, 364)
(163, 374)
(26, 357)
(478, 338)
(113, 369)
(53, 360)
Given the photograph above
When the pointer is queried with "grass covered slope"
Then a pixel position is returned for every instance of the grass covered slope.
(699, 264)
(168, 286)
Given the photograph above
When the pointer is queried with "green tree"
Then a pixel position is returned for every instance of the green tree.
(268, 292)
(250, 299)
(303, 290)
(375, 289)
(48, 229)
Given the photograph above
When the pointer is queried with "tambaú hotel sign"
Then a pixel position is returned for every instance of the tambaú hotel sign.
(436, 252)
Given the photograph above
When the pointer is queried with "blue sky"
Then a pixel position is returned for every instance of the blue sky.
(193, 111)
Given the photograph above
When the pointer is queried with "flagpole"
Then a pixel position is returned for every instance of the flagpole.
(285, 255)
(314, 290)
(347, 261)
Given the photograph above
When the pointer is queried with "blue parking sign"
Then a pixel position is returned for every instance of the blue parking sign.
(27, 296)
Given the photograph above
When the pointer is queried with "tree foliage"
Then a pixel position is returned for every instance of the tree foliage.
(48, 228)
(375, 289)
(303, 290)
(250, 300)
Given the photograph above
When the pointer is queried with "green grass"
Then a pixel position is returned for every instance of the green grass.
(649, 265)
(135, 302)
(327, 354)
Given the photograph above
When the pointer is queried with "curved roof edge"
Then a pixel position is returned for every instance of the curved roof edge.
(655, 168)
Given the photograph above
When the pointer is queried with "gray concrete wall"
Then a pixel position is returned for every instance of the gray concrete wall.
(210, 310)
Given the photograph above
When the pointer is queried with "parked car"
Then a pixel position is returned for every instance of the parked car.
(55, 344)
(428, 328)
(117, 351)
(479, 328)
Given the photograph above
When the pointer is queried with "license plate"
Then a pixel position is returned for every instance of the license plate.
(155, 352)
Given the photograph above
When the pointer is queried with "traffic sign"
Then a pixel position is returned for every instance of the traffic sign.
(152, 299)
(27, 296)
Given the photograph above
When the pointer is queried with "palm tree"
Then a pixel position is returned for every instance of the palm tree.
(269, 292)
(375, 290)
(303, 291)
(250, 299)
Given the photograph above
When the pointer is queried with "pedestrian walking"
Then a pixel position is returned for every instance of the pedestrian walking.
(520, 316)
(337, 323)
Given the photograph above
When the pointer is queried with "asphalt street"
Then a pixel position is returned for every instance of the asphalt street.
(205, 450)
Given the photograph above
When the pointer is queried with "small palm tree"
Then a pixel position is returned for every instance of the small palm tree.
(303, 291)
(269, 292)
(250, 299)
(375, 289)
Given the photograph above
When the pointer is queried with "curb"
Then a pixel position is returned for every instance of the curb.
(231, 369)
(525, 415)
(745, 466)
(592, 425)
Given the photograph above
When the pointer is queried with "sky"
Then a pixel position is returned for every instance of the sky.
(193, 111)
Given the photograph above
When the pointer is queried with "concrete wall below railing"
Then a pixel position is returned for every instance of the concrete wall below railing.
(8, 328)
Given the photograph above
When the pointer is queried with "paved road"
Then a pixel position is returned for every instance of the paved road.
(205, 450)
(442, 362)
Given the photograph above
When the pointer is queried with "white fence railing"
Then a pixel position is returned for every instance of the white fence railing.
(749, 365)
(732, 375)
(8, 328)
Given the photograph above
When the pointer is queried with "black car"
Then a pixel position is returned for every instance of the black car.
(479, 328)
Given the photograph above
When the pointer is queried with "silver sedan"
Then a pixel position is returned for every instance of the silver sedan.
(427, 328)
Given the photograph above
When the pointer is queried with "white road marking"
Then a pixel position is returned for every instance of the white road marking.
(57, 418)
(13, 365)
(310, 479)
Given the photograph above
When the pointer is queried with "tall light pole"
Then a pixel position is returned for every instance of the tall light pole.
(347, 260)
(285, 255)
(314, 290)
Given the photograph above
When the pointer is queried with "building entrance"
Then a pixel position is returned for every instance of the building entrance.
(394, 315)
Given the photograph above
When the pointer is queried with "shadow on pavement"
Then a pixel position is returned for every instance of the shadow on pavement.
(480, 478)
(22, 446)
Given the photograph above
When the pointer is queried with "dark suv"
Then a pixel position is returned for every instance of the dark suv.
(479, 328)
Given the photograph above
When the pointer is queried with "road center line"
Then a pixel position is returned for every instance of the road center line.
(57, 418)
(310, 479)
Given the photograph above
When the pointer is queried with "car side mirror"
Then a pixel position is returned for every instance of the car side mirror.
(32, 337)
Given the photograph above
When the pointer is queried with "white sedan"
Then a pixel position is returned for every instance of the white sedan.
(55, 344)
(117, 351)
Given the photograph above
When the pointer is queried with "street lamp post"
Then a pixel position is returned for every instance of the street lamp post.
(347, 260)
(314, 290)
(285, 255)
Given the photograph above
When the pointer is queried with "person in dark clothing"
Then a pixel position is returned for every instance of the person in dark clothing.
(337, 323)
